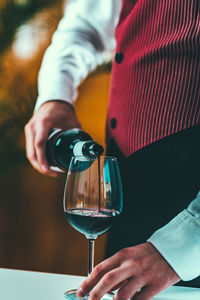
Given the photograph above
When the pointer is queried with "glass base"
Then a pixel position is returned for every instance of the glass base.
(71, 295)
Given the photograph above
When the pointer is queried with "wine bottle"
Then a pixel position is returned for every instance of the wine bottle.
(62, 145)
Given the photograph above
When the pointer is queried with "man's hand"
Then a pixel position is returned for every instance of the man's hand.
(52, 114)
(138, 272)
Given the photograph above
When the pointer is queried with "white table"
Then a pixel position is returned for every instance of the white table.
(26, 285)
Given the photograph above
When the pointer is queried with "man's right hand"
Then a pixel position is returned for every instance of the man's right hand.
(52, 114)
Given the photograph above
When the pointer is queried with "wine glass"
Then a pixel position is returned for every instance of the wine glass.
(92, 201)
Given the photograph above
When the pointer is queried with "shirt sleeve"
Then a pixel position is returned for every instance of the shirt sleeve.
(84, 37)
(179, 241)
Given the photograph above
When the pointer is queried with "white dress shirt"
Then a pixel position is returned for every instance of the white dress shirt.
(179, 241)
(83, 38)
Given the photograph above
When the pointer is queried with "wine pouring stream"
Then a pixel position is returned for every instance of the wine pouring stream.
(93, 197)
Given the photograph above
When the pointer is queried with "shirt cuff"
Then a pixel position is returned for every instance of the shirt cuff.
(179, 243)
(41, 100)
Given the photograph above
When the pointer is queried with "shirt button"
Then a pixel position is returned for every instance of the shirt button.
(119, 56)
(113, 123)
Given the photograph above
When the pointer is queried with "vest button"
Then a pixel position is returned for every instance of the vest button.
(119, 56)
(113, 123)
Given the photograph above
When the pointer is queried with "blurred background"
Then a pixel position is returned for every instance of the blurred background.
(34, 234)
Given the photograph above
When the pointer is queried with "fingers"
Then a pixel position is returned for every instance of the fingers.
(107, 283)
(117, 277)
(97, 274)
(128, 290)
(109, 275)
(131, 269)
(147, 293)
(35, 147)
(40, 150)
(30, 148)
(52, 114)
(118, 286)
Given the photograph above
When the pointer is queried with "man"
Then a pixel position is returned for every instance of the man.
(152, 127)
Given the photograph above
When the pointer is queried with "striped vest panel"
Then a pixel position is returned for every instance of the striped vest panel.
(155, 86)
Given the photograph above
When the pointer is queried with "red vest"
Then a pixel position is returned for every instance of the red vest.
(155, 87)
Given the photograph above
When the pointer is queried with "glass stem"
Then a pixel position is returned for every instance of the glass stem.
(90, 255)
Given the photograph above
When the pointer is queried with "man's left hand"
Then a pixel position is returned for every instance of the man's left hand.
(138, 273)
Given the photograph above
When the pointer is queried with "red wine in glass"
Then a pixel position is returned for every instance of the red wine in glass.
(91, 222)
(93, 201)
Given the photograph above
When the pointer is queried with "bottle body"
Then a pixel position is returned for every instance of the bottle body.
(62, 145)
